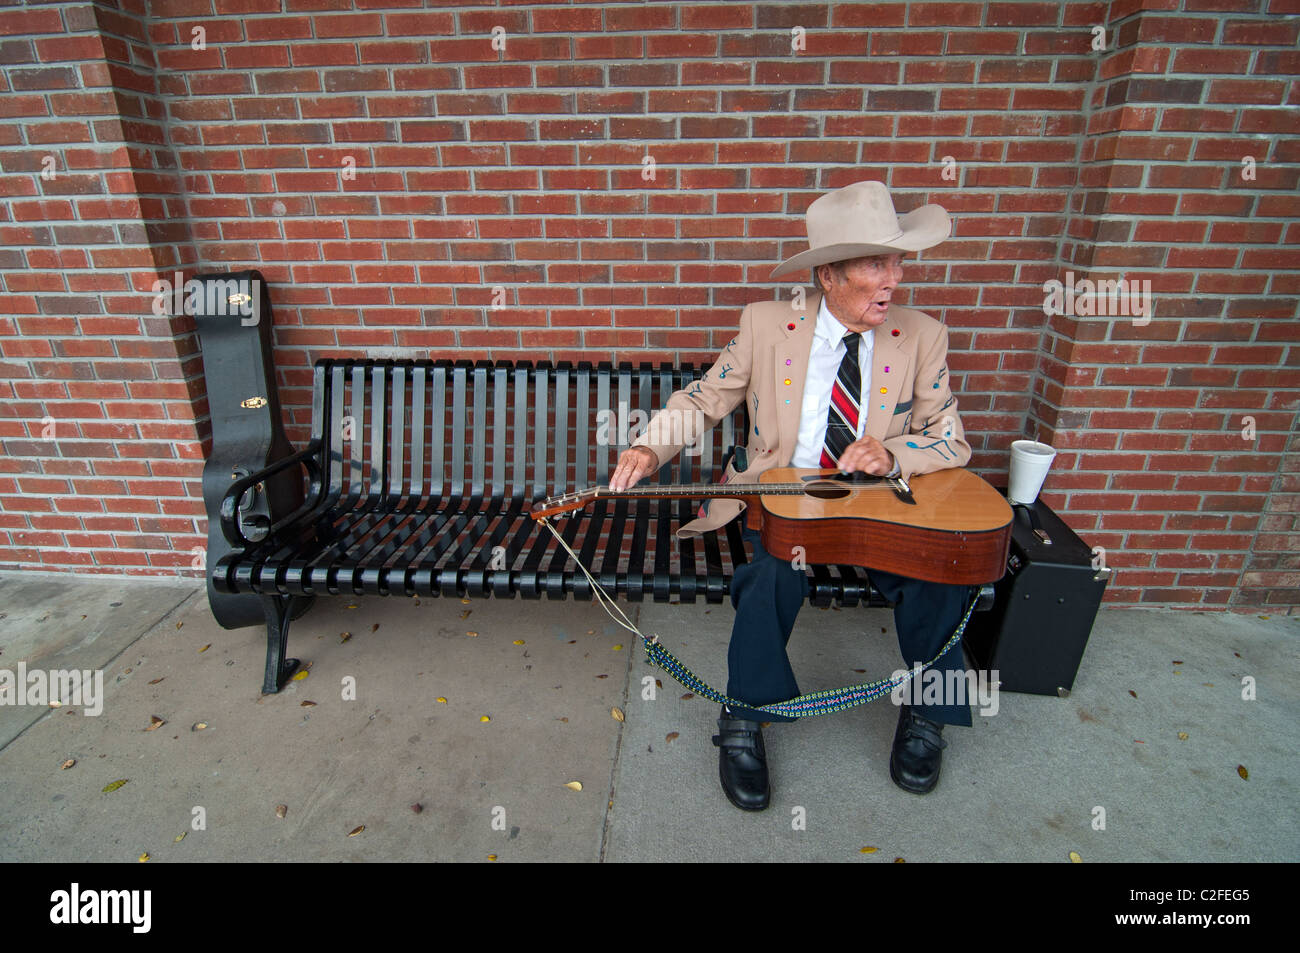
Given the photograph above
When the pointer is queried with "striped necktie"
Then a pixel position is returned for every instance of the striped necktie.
(846, 397)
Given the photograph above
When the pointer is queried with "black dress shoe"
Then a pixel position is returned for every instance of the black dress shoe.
(742, 762)
(918, 751)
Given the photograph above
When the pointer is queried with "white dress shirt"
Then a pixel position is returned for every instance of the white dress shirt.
(828, 350)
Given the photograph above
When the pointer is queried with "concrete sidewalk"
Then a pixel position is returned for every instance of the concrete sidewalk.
(1024, 784)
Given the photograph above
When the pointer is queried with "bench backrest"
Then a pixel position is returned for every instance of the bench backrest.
(396, 429)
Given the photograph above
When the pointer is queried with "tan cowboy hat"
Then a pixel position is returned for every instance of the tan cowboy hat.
(860, 220)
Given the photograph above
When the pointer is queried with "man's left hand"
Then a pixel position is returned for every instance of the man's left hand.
(867, 455)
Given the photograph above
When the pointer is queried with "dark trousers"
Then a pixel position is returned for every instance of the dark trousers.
(767, 594)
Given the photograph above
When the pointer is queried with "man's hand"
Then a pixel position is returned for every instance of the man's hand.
(633, 464)
(867, 455)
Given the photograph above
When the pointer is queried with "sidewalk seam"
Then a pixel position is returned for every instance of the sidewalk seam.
(618, 745)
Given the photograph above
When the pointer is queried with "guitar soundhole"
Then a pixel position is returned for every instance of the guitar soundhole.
(826, 490)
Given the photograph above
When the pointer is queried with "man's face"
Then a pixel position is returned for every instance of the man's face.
(859, 297)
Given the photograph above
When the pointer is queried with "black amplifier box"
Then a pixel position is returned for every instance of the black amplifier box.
(1043, 608)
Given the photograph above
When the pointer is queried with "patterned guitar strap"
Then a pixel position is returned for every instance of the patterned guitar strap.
(814, 703)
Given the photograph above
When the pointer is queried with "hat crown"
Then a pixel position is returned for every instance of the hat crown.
(862, 212)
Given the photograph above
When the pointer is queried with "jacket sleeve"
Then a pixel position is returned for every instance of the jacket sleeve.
(935, 439)
(695, 409)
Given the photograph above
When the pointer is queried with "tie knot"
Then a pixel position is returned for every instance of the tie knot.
(851, 342)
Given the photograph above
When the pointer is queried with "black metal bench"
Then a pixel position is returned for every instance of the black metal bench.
(419, 476)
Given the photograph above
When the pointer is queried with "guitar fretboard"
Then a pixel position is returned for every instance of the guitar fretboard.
(714, 490)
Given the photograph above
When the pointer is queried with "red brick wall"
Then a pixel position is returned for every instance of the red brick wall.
(523, 168)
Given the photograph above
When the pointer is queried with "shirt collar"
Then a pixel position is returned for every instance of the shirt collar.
(830, 330)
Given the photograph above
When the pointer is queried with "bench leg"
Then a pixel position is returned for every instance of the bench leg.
(280, 611)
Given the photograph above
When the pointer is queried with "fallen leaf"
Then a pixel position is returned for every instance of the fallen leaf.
(206, 647)
(157, 680)
(519, 641)
(658, 684)
(688, 696)
(574, 785)
(484, 718)
(109, 788)
(1182, 736)
(1133, 693)
(179, 837)
(344, 636)
(356, 830)
(375, 627)
(602, 676)
(591, 631)
(1075, 858)
(472, 635)
(67, 764)
(128, 670)
(144, 858)
(179, 624)
(441, 700)
(299, 676)
(565, 720)
(464, 602)
(307, 703)
(899, 860)
(492, 857)
(281, 810)
(618, 647)
(417, 808)
(55, 703)
(617, 714)
(155, 723)
(1178, 661)
(465, 614)
(353, 606)
(1138, 741)
(671, 735)
(868, 850)
(199, 726)
(1241, 769)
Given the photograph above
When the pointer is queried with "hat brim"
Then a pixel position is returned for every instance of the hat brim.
(921, 228)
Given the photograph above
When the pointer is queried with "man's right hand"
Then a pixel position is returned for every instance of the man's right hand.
(633, 464)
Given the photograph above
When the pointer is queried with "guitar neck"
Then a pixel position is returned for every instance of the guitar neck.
(685, 491)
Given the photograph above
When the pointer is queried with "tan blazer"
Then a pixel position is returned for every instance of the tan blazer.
(766, 363)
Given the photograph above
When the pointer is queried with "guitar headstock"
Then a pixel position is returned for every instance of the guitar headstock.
(563, 504)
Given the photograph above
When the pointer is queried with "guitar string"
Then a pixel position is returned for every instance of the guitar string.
(709, 490)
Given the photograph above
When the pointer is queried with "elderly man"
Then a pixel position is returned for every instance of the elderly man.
(853, 382)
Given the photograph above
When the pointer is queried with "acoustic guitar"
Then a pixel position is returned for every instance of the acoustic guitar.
(946, 526)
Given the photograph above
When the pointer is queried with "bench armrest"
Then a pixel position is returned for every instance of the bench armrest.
(230, 502)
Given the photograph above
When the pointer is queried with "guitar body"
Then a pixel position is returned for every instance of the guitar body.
(958, 531)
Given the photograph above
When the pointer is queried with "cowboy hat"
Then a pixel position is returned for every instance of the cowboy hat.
(859, 220)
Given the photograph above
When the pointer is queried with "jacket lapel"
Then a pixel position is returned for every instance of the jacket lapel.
(790, 371)
(889, 368)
